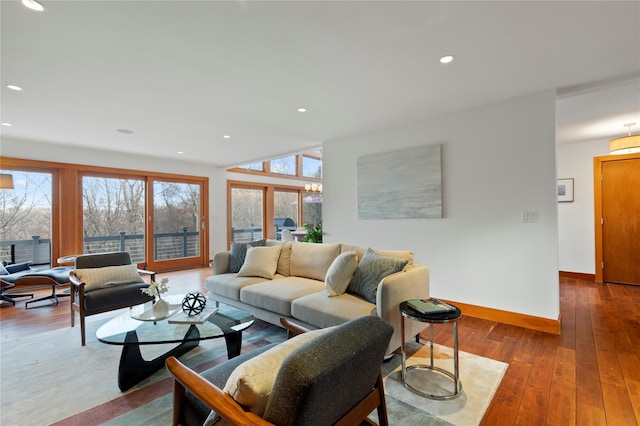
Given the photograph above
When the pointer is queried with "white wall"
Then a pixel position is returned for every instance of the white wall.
(498, 160)
(576, 219)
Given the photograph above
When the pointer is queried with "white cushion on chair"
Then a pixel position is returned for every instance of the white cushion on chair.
(108, 276)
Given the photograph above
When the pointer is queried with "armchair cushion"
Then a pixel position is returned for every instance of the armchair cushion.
(109, 276)
(251, 382)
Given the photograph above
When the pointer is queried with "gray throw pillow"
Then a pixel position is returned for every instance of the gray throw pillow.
(239, 252)
(371, 270)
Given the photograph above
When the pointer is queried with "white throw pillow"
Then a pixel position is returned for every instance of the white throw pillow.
(108, 276)
(340, 273)
(260, 262)
(251, 382)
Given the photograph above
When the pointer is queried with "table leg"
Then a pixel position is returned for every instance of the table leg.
(234, 343)
(402, 351)
(133, 368)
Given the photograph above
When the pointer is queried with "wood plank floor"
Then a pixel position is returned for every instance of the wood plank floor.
(589, 375)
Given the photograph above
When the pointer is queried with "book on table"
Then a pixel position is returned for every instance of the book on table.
(430, 306)
(183, 318)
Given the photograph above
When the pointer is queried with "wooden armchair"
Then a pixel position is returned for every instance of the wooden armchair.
(333, 379)
(105, 282)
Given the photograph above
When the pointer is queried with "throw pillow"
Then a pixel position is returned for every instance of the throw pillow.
(251, 382)
(18, 267)
(260, 262)
(238, 253)
(108, 276)
(371, 270)
(312, 260)
(340, 273)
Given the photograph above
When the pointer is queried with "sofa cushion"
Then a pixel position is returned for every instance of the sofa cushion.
(323, 311)
(340, 273)
(109, 276)
(251, 382)
(238, 253)
(312, 260)
(260, 262)
(229, 285)
(277, 295)
(284, 263)
(371, 270)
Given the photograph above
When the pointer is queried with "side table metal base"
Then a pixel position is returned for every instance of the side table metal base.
(432, 370)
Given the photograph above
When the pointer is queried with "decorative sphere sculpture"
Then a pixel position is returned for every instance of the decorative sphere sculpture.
(194, 303)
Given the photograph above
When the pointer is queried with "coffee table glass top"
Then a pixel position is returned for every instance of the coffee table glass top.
(226, 320)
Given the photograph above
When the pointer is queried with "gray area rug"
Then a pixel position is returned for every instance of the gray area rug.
(50, 378)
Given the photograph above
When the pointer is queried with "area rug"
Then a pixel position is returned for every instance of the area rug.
(50, 379)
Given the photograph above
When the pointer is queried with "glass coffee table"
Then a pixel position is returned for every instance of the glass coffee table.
(131, 333)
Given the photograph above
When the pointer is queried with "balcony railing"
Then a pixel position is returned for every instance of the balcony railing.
(167, 246)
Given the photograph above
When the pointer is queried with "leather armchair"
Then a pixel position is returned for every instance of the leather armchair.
(95, 301)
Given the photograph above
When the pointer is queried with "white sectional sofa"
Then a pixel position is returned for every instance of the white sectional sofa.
(288, 280)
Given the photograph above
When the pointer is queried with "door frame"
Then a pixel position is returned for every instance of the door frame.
(597, 198)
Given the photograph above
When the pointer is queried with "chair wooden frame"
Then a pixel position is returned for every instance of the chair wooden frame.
(78, 305)
(227, 408)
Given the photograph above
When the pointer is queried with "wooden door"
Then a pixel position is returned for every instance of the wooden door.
(620, 220)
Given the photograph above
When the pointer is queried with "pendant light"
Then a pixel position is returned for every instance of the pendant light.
(626, 144)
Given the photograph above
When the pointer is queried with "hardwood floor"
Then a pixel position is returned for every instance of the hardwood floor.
(589, 375)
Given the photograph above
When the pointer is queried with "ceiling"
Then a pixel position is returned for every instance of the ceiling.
(182, 74)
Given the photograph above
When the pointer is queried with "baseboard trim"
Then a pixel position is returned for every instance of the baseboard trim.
(578, 276)
(512, 318)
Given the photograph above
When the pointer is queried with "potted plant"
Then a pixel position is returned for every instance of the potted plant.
(314, 233)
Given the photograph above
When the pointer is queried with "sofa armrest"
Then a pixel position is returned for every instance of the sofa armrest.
(221, 262)
(412, 283)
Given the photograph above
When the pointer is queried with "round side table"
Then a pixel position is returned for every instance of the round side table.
(406, 311)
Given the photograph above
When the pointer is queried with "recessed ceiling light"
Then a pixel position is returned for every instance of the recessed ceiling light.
(302, 110)
(125, 131)
(33, 5)
(446, 59)
(14, 87)
(180, 152)
(226, 137)
(7, 124)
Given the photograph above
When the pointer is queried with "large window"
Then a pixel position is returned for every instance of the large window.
(159, 218)
(113, 216)
(26, 218)
(247, 213)
(177, 220)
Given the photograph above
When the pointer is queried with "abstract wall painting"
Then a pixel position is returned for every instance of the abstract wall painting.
(404, 184)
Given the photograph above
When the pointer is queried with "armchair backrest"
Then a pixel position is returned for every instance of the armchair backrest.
(100, 260)
(325, 378)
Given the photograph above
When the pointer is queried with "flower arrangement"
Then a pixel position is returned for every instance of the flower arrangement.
(156, 289)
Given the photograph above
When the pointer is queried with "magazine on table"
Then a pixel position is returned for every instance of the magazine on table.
(430, 306)
(183, 318)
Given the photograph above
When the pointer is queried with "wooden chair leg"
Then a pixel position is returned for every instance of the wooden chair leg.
(82, 329)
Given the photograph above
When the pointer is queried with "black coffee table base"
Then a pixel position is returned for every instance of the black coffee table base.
(133, 368)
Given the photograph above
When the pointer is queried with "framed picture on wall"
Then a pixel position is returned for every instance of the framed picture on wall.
(565, 190)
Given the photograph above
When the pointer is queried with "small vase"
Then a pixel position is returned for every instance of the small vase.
(161, 308)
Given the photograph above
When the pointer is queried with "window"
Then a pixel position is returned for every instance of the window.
(247, 214)
(101, 209)
(254, 166)
(284, 166)
(26, 218)
(311, 167)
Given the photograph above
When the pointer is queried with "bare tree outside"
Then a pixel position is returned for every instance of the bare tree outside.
(25, 213)
(246, 213)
